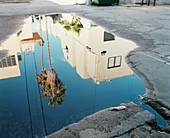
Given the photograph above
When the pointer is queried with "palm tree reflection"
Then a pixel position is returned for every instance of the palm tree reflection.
(51, 85)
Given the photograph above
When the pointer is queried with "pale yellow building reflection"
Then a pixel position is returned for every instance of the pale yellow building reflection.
(95, 53)
(19, 42)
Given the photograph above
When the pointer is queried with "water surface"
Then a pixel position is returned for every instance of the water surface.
(87, 58)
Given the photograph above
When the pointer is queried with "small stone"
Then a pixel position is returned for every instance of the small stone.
(118, 108)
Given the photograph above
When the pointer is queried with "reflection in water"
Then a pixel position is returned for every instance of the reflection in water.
(95, 53)
(51, 85)
(75, 25)
(91, 65)
(23, 41)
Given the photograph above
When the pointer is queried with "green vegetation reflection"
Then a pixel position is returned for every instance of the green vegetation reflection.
(75, 25)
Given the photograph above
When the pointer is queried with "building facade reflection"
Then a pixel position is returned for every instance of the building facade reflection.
(95, 52)
(23, 41)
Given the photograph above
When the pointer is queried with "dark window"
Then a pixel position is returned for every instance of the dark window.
(13, 60)
(108, 36)
(19, 58)
(114, 62)
(8, 61)
(4, 64)
(66, 49)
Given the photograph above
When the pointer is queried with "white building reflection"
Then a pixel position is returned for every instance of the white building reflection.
(19, 42)
(95, 53)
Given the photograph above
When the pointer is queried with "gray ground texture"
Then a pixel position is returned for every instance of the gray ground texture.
(131, 122)
(148, 27)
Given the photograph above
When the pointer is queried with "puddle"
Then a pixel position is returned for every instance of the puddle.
(86, 72)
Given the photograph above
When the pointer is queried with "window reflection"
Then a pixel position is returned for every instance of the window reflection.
(114, 62)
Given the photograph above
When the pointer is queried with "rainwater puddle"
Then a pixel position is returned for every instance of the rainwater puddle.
(81, 70)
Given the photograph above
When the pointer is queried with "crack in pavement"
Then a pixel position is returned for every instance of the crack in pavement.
(161, 60)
